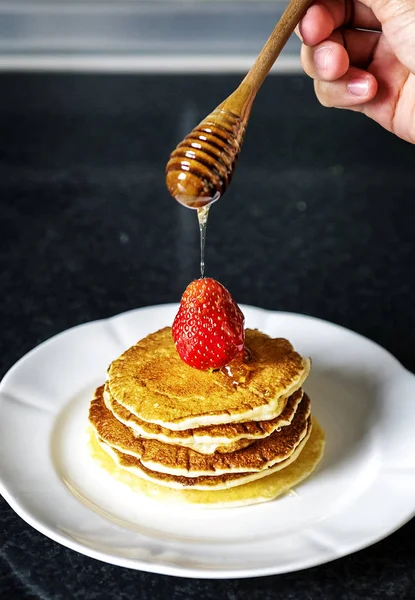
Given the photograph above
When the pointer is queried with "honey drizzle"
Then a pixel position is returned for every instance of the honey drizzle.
(202, 215)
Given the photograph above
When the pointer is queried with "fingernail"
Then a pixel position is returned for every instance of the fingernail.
(359, 86)
(321, 57)
(298, 32)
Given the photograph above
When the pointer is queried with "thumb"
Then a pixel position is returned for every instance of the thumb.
(398, 25)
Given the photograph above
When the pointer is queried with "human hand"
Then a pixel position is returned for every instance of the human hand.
(361, 56)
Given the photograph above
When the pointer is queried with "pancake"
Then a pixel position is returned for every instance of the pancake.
(202, 482)
(261, 490)
(182, 461)
(152, 382)
(227, 437)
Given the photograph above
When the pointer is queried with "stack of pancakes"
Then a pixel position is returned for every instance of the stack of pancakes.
(227, 437)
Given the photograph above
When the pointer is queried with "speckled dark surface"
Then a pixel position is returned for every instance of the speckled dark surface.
(319, 219)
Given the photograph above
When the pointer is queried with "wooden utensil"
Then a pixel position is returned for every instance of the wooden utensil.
(201, 167)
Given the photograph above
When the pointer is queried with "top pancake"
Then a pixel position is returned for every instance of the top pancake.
(154, 384)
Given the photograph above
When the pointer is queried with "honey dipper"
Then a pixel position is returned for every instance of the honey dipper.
(201, 167)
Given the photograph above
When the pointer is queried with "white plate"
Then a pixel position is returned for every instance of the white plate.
(363, 490)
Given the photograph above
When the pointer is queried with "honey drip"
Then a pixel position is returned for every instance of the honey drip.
(202, 215)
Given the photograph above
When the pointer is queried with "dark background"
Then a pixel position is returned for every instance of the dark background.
(319, 220)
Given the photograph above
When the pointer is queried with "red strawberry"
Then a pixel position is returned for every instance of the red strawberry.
(209, 328)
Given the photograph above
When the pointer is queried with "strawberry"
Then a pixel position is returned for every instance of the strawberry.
(208, 330)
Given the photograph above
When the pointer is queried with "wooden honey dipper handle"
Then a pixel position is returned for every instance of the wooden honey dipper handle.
(241, 100)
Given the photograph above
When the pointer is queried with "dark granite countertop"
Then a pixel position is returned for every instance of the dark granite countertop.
(319, 220)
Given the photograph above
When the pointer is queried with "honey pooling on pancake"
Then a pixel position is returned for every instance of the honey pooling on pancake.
(239, 370)
(198, 436)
